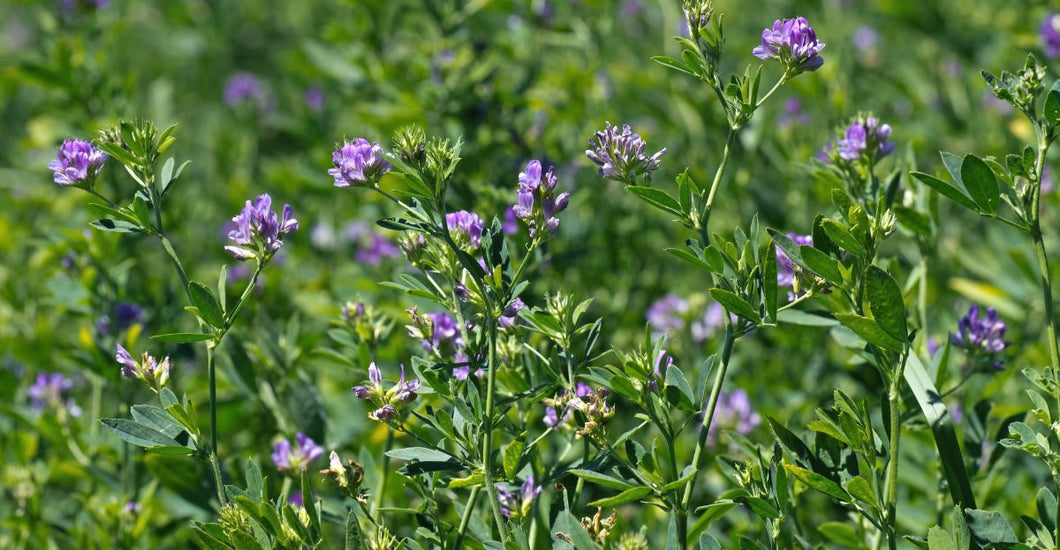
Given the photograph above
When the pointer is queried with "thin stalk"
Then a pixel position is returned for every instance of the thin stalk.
(892, 464)
(697, 456)
(704, 230)
(775, 87)
(487, 440)
(168, 246)
(377, 503)
(466, 517)
(214, 461)
(109, 202)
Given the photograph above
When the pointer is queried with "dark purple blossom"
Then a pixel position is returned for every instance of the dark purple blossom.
(1050, 34)
(289, 458)
(537, 203)
(468, 227)
(258, 231)
(517, 505)
(667, 314)
(663, 361)
(733, 412)
(128, 364)
(124, 316)
(794, 43)
(511, 314)
(358, 163)
(77, 164)
(620, 156)
(50, 390)
(980, 334)
(510, 225)
(149, 370)
(446, 334)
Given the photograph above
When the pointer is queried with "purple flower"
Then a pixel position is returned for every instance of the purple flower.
(50, 390)
(128, 364)
(794, 43)
(446, 335)
(980, 334)
(131, 507)
(314, 98)
(581, 389)
(358, 163)
(663, 361)
(287, 458)
(386, 401)
(713, 319)
(125, 315)
(258, 230)
(511, 314)
(517, 505)
(537, 203)
(1050, 35)
(733, 412)
(468, 227)
(620, 154)
(865, 37)
(785, 268)
(865, 135)
(245, 88)
(379, 247)
(793, 114)
(510, 225)
(667, 314)
(77, 164)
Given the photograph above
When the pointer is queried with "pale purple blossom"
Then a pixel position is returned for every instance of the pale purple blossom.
(865, 37)
(733, 412)
(258, 231)
(77, 164)
(785, 268)
(667, 314)
(50, 390)
(865, 136)
(511, 314)
(468, 226)
(1050, 34)
(290, 458)
(619, 154)
(124, 358)
(518, 504)
(358, 163)
(537, 203)
(378, 248)
(794, 43)
(706, 326)
(246, 88)
(386, 401)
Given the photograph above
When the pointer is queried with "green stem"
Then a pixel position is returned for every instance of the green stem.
(892, 464)
(487, 426)
(242, 301)
(704, 222)
(109, 202)
(775, 87)
(380, 492)
(168, 246)
(215, 463)
(1043, 270)
(708, 417)
(466, 517)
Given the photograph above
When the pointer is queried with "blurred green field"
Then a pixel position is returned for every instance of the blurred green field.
(515, 80)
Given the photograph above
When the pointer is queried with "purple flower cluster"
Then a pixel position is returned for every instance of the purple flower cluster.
(258, 231)
(124, 316)
(358, 163)
(980, 334)
(50, 390)
(468, 227)
(538, 203)
(378, 248)
(446, 336)
(785, 268)
(560, 411)
(387, 402)
(246, 88)
(288, 458)
(517, 505)
(865, 135)
(667, 314)
(77, 164)
(620, 154)
(794, 43)
(149, 370)
(733, 412)
(1050, 34)
(511, 314)
(705, 327)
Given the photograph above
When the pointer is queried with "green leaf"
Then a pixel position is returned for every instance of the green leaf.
(469, 481)
(759, 507)
(676, 379)
(989, 527)
(138, 434)
(182, 337)
(861, 489)
(203, 300)
(513, 452)
(696, 260)
(798, 317)
(172, 450)
(938, 418)
(629, 495)
(157, 418)
(1052, 107)
(769, 280)
(841, 533)
(955, 194)
(870, 331)
(601, 479)
(708, 542)
(115, 226)
(657, 198)
(818, 482)
(885, 303)
(735, 304)
(419, 453)
(981, 183)
(310, 504)
(821, 264)
(940, 539)
(673, 64)
(913, 220)
(354, 536)
(680, 482)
